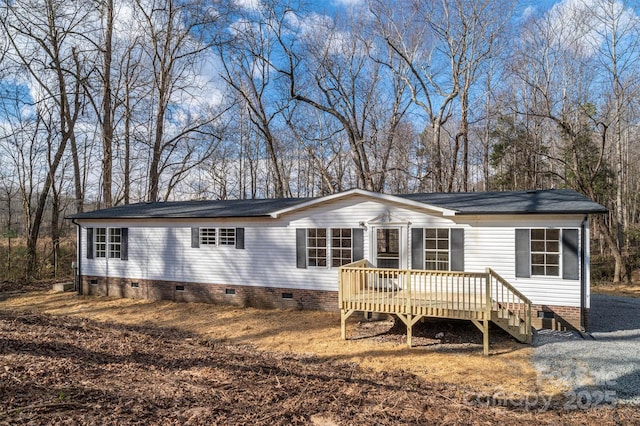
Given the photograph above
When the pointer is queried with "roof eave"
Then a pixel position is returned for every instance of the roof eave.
(143, 217)
(520, 212)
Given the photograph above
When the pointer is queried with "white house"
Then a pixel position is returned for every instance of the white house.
(288, 252)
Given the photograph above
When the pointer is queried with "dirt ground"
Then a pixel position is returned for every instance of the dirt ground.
(66, 359)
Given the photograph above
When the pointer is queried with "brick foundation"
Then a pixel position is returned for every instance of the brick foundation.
(259, 297)
(558, 317)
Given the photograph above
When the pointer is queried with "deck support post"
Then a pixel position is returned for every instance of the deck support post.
(487, 311)
(485, 338)
(484, 329)
(344, 314)
(409, 321)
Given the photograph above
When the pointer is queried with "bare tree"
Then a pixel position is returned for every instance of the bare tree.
(107, 12)
(556, 68)
(179, 35)
(443, 44)
(247, 68)
(43, 38)
(330, 69)
(613, 33)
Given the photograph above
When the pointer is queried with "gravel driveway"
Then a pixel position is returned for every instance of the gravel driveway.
(601, 367)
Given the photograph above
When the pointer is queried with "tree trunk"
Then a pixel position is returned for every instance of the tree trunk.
(464, 135)
(107, 125)
(619, 268)
(55, 229)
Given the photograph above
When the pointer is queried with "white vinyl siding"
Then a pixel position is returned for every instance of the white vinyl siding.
(489, 244)
(165, 253)
(161, 249)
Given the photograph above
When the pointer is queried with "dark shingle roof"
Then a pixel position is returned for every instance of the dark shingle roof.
(553, 201)
(559, 201)
(192, 209)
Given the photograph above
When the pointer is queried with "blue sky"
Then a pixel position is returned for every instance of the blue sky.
(329, 5)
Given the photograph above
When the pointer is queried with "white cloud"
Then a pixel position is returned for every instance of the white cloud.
(528, 12)
(320, 30)
(584, 25)
(348, 3)
(248, 4)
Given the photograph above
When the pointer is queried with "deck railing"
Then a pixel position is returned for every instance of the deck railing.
(509, 303)
(417, 292)
(462, 295)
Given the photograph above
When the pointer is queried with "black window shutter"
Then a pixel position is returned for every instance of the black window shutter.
(357, 244)
(240, 238)
(195, 237)
(124, 246)
(89, 243)
(523, 253)
(301, 248)
(457, 249)
(417, 248)
(570, 255)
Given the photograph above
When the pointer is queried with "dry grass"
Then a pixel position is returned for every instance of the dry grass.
(632, 290)
(302, 332)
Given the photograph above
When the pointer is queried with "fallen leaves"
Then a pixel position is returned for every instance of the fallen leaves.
(57, 369)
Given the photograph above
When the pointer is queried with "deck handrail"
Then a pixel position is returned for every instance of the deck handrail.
(514, 301)
(507, 284)
(416, 292)
(356, 264)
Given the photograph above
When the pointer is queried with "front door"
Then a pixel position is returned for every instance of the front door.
(387, 246)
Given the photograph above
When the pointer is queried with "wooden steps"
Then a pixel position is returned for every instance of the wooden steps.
(512, 324)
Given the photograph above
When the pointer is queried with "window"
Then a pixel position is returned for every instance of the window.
(388, 247)
(317, 246)
(100, 236)
(227, 237)
(217, 236)
(340, 247)
(436, 249)
(545, 252)
(208, 236)
(112, 243)
(115, 243)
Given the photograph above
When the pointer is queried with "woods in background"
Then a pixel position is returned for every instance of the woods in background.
(112, 102)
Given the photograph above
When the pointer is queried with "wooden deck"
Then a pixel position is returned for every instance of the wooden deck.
(414, 294)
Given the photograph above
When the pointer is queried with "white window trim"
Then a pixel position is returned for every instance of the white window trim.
(111, 252)
(559, 252)
(103, 252)
(229, 239)
(425, 249)
(328, 247)
(203, 240)
(108, 244)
